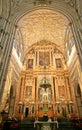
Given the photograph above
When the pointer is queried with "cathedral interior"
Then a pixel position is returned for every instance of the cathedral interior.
(41, 58)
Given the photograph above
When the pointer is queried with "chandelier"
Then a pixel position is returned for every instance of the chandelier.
(45, 83)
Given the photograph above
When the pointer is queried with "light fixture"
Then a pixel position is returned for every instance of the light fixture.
(45, 84)
(20, 103)
(70, 102)
(21, 107)
(58, 102)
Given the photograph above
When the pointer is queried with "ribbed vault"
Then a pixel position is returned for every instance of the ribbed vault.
(36, 26)
(44, 24)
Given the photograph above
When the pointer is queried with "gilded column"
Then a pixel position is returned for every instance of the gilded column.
(36, 59)
(33, 90)
(68, 89)
(36, 97)
(33, 94)
(22, 88)
(50, 59)
(56, 88)
(54, 93)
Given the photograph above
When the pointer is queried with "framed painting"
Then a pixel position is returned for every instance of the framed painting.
(28, 92)
(61, 91)
(44, 58)
(58, 63)
(30, 63)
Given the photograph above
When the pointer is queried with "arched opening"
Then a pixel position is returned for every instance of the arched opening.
(37, 33)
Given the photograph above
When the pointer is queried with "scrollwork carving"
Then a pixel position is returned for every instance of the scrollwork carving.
(70, 2)
(15, 2)
(42, 2)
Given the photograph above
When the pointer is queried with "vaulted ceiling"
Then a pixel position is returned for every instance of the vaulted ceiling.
(43, 24)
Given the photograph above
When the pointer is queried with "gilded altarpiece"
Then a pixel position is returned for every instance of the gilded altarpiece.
(53, 98)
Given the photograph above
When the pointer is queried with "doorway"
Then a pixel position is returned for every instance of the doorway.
(26, 111)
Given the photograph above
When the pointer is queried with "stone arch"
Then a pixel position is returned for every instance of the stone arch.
(47, 42)
(70, 15)
(65, 9)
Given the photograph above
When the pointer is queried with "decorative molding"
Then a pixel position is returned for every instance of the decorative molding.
(48, 2)
(70, 2)
(42, 2)
(15, 2)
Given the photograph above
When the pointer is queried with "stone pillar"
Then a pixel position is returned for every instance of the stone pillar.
(1, 7)
(18, 95)
(5, 57)
(72, 95)
(78, 41)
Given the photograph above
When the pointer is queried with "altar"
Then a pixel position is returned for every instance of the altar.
(46, 125)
